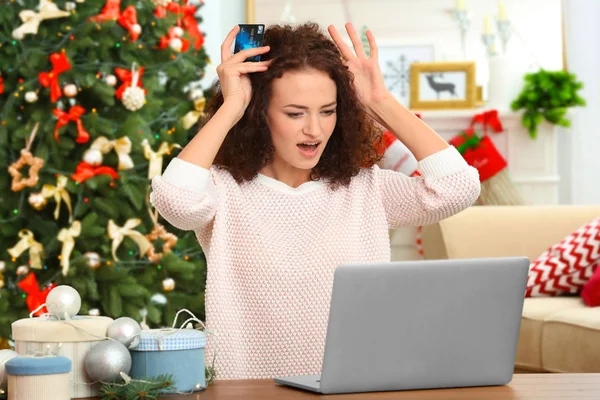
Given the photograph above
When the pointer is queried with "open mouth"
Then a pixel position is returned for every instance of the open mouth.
(309, 149)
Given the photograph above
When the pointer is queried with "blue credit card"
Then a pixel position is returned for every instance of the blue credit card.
(249, 36)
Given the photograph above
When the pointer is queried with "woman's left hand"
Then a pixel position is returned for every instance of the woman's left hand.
(368, 78)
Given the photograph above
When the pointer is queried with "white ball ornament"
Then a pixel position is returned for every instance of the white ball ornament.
(134, 98)
(63, 302)
(176, 44)
(70, 90)
(92, 259)
(178, 31)
(94, 312)
(31, 97)
(137, 28)
(110, 80)
(161, 3)
(93, 157)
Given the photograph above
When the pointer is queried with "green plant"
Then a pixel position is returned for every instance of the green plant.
(547, 95)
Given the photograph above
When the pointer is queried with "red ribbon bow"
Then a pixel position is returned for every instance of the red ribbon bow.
(488, 118)
(85, 171)
(1, 85)
(35, 296)
(164, 41)
(64, 118)
(187, 20)
(60, 64)
(128, 18)
(126, 77)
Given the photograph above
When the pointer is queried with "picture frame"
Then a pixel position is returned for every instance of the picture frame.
(396, 55)
(443, 85)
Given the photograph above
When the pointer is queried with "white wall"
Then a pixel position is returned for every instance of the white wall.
(582, 39)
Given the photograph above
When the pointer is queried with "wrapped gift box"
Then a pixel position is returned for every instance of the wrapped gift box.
(171, 351)
(38, 378)
(72, 339)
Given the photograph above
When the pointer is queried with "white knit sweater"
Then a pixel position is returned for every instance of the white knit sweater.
(272, 249)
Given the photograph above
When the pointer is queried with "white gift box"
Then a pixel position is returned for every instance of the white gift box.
(71, 339)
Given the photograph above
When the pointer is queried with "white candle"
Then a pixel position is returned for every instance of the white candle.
(487, 26)
(460, 4)
(502, 11)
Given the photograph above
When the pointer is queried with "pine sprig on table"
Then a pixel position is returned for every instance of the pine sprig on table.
(146, 389)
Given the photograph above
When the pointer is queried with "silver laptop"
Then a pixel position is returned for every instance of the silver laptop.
(421, 325)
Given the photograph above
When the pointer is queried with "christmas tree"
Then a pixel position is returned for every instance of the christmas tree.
(96, 97)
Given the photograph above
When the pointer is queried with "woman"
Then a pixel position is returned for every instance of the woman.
(280, 187)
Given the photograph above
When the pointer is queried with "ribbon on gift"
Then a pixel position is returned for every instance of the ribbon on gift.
(127, 77)
(67, 237)
(190, 118)
(187, 20)
(85, 171)
(127, 19)
(471, 142)
(35, 297)
(156, 157)
(28, 242)
(31, 20)
(60, 64)
(59, 192)
(118, 233)
(74, 115)
(121, 146)
(488, 119)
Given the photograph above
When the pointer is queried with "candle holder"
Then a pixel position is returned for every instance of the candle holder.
(504, 31)
(464, 23)
(488, 40)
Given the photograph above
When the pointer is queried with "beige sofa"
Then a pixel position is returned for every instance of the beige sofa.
(558, 334)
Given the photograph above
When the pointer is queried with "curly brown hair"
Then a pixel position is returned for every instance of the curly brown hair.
(355, 140)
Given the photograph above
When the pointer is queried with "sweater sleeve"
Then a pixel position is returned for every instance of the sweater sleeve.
(447, 186)
(185, 195)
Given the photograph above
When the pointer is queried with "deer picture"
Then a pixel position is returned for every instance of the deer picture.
(440, 87)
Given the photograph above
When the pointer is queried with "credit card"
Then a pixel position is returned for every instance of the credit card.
(249, 36)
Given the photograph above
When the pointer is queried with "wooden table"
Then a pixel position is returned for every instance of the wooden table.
(522, 387)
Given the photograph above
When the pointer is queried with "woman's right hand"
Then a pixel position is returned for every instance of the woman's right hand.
(233, 70)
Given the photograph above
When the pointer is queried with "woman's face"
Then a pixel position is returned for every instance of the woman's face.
(301, 117)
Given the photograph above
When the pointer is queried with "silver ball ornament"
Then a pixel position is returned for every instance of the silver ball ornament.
(63, 300)
(70, 6)
(158, 298)
(168, 284)
(70, 90)
(106, 360)
(178, 31)
(93, 157)
(22, 270)
(134, 98)
(31, 96)
(5, 356)
(92, 259)
(136, 28)
(126, 331)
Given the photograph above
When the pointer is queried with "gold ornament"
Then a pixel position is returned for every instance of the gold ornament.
(35, 164)
(37, 201)
(156, 157)
(118, 233)
(92, 260)
(168, 285)
(2, 268)
(28, 242)
(121, 146)
(22, 270)
(67, 237)
(31, 19)
(193, 116)
(4, 344)
(58, 192)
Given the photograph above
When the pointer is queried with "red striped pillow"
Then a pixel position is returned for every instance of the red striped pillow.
(565, 267)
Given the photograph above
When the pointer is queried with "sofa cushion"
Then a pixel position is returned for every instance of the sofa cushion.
(535, 312)
(566, 266)
(570, 340)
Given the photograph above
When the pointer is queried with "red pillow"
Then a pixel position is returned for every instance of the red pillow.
(591, 290)
(568, 265)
